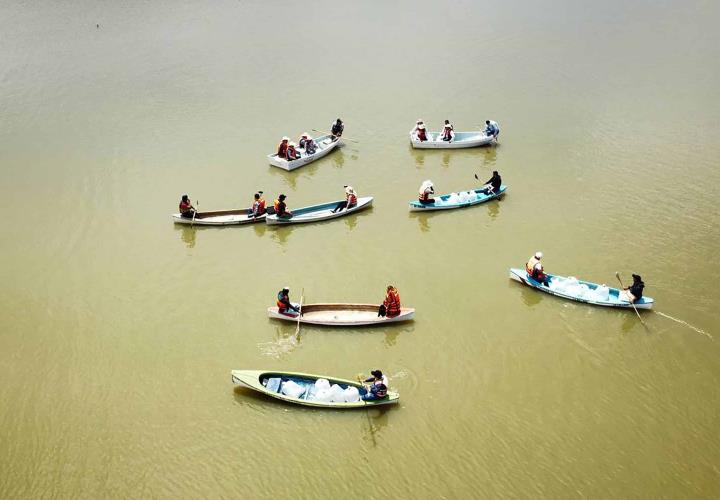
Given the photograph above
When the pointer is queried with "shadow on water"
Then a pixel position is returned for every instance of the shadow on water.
(529, 296)
(338, 157)
(419, 156)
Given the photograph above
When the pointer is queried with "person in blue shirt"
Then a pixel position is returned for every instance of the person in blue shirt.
(492, 128)
(376, 391)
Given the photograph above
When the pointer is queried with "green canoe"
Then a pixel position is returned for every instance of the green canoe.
(270, 383)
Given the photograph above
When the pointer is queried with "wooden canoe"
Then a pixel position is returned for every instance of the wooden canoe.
(460, 140)
(588, 297)
(448, 201)
(342, 315)
(325, 145)
(270, 383)
(316, 213)
(220, 218)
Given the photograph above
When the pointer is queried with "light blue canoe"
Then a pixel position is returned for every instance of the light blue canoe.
(589, 297)
(317, 213)
(448, 202)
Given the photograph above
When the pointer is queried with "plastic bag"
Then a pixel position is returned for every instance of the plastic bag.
(291, 389)
(337, 393)
(323, 396)
(322, 383)
(602, 293)
(351, 394)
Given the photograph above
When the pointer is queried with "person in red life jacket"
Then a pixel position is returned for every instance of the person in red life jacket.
(258, 206)
(283, 303)
(303, 140)
(447, 133)
(292, 153)
(535, 269)
(281, 208)
(421, 133)
(350, 200)
(391, 305)
(425, 192)
(282, 148)
(186, 209)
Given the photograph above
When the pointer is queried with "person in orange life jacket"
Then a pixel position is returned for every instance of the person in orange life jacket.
(634, 292)
(492, 185)
(350, 200)
(281, 208)
(310, 146)
(337, 129)
(258, 206)
(535, 269)
(186, 209)
(303, 140)
(282, 148)
(283, 302)
(292, 153)
(391, 305)
(447, 133)
(425, 192)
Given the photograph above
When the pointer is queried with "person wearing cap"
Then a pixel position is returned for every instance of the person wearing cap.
(186, 209)
(292, 153)
(425, 192)
(283, 147)
(310, 146)
(492, 128)
(303, 139)
(535, 269)
(350, 200)
(634, 292)
(337, 129)
(492, 185)
(258, 206)
(283, 303)
(378, 378)
(281, 208)
(448, 131)
(391, 305)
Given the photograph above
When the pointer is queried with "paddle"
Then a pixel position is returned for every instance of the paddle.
(297, 330)
(367, 414)
(617, 275)
(194, 213)
(321, 132)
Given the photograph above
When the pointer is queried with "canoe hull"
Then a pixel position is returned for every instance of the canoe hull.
(342, 315)
(462, 140)
(613, 301)
(220, 218)
(253, 379)
(317, 213)
(444, 204)
(325, 146)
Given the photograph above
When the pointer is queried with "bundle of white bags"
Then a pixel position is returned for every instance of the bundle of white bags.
(292, 389)
(571, 286)
(326, 393)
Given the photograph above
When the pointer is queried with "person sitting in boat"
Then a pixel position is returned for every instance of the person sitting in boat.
(350, 200)
(258, 206)
(447, 133)
(292, 153)
(337, 129)
(310, 146)
(634, 292)
(492, 185)
(421, 133)
(425, 193)
(283, 303)
(377, 377)
(492, 128)
(281, 208)
(391, 305)
(535, 269)
(186, 209)
(375, 392)
(303, 140)
(282, 148)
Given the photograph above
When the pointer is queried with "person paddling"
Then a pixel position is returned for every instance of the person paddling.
(258, 206)
(377, 377)
(634, 292)
(283, 303)
(535, 269)
(337, 129)
(350, 200)
(186, 209)
(492, 185)
(492, 128)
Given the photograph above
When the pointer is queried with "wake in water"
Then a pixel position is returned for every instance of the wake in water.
(698, 330)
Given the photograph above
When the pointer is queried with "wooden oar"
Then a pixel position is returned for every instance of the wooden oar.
(297, 329)
(617, 275)
(367, 413)
(330, 133)
(194, 213)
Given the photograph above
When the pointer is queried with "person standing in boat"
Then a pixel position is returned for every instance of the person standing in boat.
(281, 208)
(283, 303)
(492, 128)
(258, 206)
(337, 129)
(350, 200)
(448, 131)
(492, 185)
(186, 209)
(535, 269)
(391, 305)
(425, 192)
(283, 147)
(310, 146)
(303, 140)
(292, 153)
(634, 292)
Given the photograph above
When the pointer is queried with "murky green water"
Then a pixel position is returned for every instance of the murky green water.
(118, 330)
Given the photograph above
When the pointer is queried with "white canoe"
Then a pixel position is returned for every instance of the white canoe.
(220, 218)
(315, 213)
(460, 140)
(325, 144)
(342, 315)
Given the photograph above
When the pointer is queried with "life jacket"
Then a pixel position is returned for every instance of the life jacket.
(291, 153)
(381, 392)
(351, 200)
(530, 266)
(261, 206)
(277, 206)
(421, 134)
(184, 206)
(447, 133)
(424, 196)
(280, 303)
(392, 304)
(282, 150)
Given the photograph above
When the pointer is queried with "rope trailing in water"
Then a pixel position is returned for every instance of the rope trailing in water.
(698, 330)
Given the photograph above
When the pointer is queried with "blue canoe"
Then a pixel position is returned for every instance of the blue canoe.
(316, 213)
(457, 200)
(589, 295)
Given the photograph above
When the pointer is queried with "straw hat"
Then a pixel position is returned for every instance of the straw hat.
(285, 138)
(538, 255)
(349, 190)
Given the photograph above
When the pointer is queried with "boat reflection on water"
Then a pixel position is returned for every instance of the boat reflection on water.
(188, 234)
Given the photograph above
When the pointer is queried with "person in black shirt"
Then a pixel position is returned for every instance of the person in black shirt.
(337, 129)
(634, 292)
(492, 186)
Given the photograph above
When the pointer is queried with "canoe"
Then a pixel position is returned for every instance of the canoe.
(315, 213)
(611, 299)
(461, 140)
(325, 145)
(220, 218)
(270, 383)
(457, 200)
(342, 315)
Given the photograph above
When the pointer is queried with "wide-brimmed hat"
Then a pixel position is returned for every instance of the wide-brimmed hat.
(349, 190)
(285, 138)
(538, 255)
